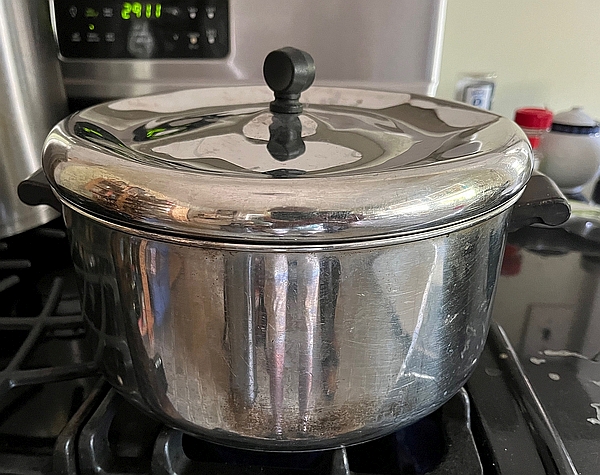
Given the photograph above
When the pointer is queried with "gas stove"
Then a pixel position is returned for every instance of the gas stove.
(532, 406)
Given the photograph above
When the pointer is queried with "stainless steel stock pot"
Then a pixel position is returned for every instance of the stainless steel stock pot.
(302, 274)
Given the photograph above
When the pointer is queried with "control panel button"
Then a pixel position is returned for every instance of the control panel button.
(193, 40)
(173, 11)
(91, 12)
(211, 36)
(140, 42)
(92, 37)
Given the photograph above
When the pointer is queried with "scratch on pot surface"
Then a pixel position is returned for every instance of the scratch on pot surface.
(565, 353)
(421, 375)
(450, 318)
(595, 420)
(537, 361)
(597, 383)
(420, 318)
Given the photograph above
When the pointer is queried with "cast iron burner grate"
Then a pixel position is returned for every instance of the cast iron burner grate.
(47, 323)
(45, 371)
(118, 439)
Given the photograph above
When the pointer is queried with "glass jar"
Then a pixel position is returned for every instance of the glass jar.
(535, 122)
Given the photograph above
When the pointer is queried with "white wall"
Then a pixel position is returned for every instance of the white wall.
(544, 52)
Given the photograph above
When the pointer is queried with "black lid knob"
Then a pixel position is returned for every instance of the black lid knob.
(288, 71)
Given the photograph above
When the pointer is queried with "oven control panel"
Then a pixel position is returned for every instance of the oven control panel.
(105, 29)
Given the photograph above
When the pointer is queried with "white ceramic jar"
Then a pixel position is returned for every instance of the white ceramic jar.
(571, 150)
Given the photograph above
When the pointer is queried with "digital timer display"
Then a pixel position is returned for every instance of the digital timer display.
(140, 10)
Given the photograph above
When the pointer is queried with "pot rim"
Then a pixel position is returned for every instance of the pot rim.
(290, 247)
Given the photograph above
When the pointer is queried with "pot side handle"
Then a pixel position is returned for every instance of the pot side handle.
(36, 190)
(541, 203)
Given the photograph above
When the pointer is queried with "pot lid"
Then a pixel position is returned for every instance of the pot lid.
(575, 121)
(335, 165)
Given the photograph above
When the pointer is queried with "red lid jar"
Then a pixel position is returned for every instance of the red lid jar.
(534, 122)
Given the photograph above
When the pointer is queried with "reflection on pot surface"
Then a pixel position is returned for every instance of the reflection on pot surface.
(276, 347)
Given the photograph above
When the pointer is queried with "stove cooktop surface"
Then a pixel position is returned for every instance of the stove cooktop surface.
(530, 407)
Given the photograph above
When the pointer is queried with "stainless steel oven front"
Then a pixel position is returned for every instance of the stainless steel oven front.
(111, 48)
